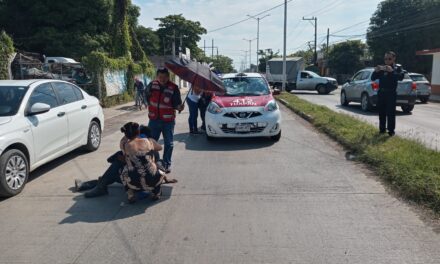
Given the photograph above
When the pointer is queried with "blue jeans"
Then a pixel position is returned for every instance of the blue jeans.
(193, 115)
(159, 127)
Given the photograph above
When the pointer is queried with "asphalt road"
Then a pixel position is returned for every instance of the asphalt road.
(422, 125)
(237, 201)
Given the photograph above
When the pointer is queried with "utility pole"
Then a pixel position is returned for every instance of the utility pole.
(284, 47)
(250, 52)
(328, 38)
(204, 47)
(258, 36)
(174, 44)
(181, 44)
(315, 56)
(212, 54)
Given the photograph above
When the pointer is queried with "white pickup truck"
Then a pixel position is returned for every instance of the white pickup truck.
(297, 78)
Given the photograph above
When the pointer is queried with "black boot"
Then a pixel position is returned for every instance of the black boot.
(81, 186)
(99, 190)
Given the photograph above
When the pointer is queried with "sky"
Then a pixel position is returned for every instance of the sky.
(214, 14)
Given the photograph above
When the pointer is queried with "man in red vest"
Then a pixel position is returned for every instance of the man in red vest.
(163, 97)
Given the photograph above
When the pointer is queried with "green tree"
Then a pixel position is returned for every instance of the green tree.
(345, 57)
(6, 49)
(149, 40)
(306, 54)
(405, 26)
(176, 26)
(266, 55)
(223, 64)
(70, 28)
(121, 31)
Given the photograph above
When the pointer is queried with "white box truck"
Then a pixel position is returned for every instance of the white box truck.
(297, 77)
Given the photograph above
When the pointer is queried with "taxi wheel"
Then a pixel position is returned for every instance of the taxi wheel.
(277, 137)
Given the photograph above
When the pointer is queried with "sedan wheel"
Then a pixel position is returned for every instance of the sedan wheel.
(94, 136)
(365, 103)
(344, 101)
(15, 173)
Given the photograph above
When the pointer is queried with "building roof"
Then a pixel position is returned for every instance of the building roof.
(428, 52)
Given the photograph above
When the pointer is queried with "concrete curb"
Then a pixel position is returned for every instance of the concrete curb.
(305, 116)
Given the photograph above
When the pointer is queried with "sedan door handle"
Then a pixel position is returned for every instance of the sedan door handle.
(61, 114)
(84, 107)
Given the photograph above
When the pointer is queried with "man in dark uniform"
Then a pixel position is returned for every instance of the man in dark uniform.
(388, 75)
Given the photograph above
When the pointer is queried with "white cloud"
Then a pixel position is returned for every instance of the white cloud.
(333, 14)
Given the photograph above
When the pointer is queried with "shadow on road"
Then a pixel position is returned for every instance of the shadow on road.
(200, 143)
(111, 207)
(55, 163)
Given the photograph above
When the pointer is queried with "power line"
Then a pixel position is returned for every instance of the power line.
(246, 19)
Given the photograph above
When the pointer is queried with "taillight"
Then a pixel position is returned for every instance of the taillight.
(414, 86)
(375, 86)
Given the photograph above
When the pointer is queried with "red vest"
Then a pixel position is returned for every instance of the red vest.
(161, 103)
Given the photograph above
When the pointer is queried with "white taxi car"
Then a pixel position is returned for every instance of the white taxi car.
(41, 120)
(248, 109)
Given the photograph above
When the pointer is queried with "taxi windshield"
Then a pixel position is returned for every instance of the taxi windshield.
(248, 86)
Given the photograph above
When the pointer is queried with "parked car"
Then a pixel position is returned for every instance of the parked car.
(361, 89)
(248, 109)
(298, 79)
(41, 120)
(423, 86)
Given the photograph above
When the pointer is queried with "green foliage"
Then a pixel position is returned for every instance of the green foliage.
(266, 55)
(409, 166)
(345, 57)
(6, 49)
(177, 25)
(70, 28)
(148, 40)
(223, 64)
(121, 30)
(306, 54)
(137, 52)
(398, 25)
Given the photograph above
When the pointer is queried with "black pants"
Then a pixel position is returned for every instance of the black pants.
(203, 105)
(113, 172)
(386, 104)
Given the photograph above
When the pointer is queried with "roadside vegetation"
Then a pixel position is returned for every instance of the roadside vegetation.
(409, 166)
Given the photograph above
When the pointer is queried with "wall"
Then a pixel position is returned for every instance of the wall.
(435, 82)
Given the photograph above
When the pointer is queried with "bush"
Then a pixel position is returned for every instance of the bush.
(6, 49)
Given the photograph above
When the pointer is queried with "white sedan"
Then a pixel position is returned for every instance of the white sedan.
(248, 109)
(41, 120)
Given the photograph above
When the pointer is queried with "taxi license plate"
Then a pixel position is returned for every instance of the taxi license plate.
(243, 128)
(402, 101)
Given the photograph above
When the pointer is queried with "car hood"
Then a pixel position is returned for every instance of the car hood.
(5, 120)
(330, 79)
(242, 101)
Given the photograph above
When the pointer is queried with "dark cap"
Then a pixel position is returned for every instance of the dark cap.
(162, 70)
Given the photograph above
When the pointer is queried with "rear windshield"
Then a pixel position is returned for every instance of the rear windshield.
(10, 99)
(418, 78)
(248, 86)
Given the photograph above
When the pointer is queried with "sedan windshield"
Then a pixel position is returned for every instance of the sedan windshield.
(239, 86)
(10, 99)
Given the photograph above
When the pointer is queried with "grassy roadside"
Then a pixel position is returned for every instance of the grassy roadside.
(409, 166)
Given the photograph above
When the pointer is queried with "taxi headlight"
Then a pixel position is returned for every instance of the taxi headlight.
(213, 108)
(271, 106)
